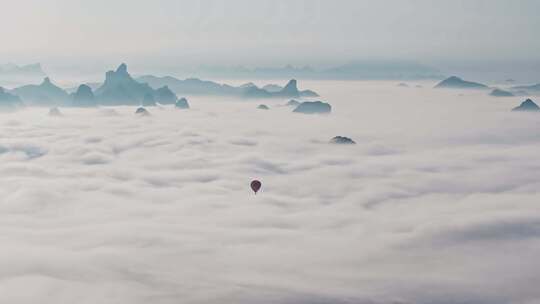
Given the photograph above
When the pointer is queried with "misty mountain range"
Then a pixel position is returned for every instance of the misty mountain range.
(455, 82)
(11, 69)
(45, 93)
(14, 75)
(120, 88)
(357, 70)
(195, 86)
(533, 88)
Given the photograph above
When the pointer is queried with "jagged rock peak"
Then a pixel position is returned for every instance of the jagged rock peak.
(291, 86)
(528, 105)
(84, 90)
(122, 69)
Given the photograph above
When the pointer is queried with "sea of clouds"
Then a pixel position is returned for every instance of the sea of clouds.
(439, 201)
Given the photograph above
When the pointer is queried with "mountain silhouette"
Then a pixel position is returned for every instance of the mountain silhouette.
(500, 93)
(120, 88)
(313, 107)
(45, 93)
(21, 70)
(9, 101)
(195, 86)
(527, 106)
(164, 95)
(534, 87)
(458, 83)
(342, 140)
(84, 97)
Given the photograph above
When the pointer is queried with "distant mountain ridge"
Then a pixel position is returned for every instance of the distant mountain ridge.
(119, 88)
(194, 86)
(9, 101)
(355, 70)
(12, 75)
(534, 87)
(45, 93)
(455, 82)
(378, 69)
(500, 93)
(189, 86)
(22, 70)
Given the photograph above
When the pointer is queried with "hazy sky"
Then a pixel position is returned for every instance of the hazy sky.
(316, 32)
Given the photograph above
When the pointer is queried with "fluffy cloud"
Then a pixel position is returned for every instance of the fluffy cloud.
(437, 203)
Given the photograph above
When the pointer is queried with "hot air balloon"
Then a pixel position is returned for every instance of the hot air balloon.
(255, 186)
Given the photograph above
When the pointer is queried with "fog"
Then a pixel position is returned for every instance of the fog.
(74, 35)
(436, 203)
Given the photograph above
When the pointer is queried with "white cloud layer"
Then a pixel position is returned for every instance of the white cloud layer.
(437, 203)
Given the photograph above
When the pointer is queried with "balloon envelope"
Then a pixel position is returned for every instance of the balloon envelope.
(255, 186)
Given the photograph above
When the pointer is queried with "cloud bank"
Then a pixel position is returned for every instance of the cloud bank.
(437, 202)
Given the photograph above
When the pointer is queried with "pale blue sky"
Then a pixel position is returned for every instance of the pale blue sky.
(251, 32)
